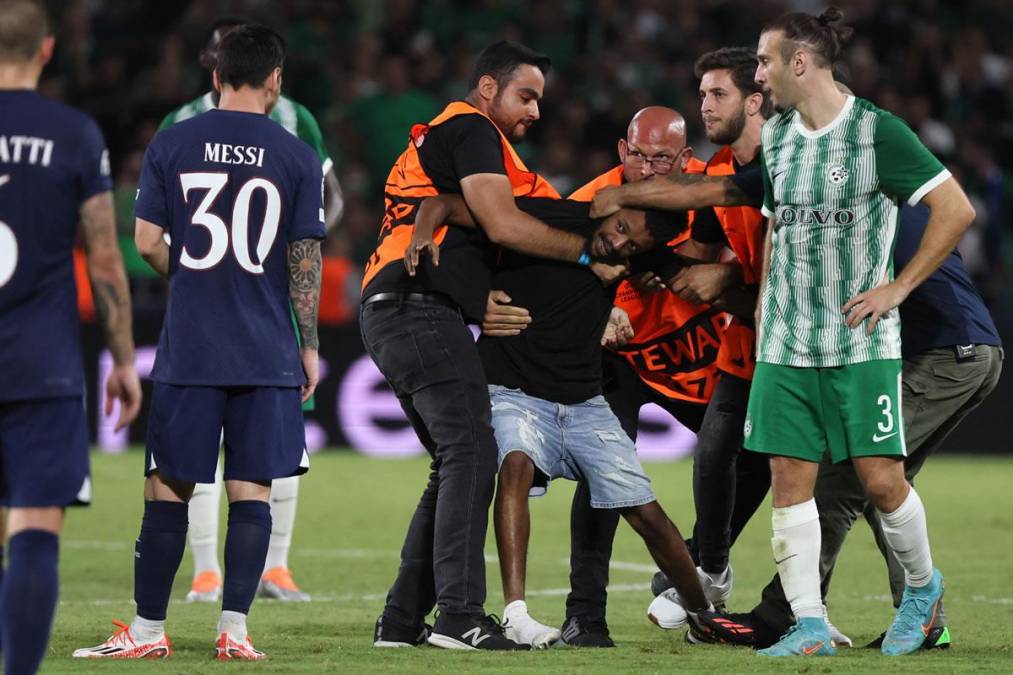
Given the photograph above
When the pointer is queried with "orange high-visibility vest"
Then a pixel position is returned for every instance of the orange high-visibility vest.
(407, 185)
(743, 227)
(675, 342)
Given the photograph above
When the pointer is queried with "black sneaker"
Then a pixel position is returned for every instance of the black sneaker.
(938, 637)
(580, 631)
(390, 634)
(472, 633)
(659, 584)
(717, 627)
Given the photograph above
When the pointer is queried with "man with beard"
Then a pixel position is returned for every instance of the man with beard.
(414, 328)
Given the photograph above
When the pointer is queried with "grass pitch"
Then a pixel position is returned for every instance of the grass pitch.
(353, 512)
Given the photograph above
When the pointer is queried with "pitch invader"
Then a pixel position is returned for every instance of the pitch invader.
(54, 174)
(245, 242)
(277, 581)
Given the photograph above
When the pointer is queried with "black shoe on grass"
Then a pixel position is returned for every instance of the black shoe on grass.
(582, 632)
(461, 631)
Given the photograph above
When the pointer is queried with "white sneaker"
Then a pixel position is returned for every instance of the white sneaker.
(839, 638)
(122, 644)
(522, 629)
(667, 611)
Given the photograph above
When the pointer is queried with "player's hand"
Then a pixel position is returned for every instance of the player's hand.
(311, 366)
(606, 201)
(501, 318)
(702, 284)
(647, 283)
(124, 386)
(873, 305)
(618, 330)
(609, 273)
(420, 244)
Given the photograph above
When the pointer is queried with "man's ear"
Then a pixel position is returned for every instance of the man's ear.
(487, 87)
(622, 147)
(800, 62)
(754, 103)
(684, 157)
(46, 49)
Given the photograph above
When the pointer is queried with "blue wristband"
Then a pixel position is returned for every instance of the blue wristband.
(585, 258)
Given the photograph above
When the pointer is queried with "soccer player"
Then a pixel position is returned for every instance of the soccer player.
(828, 374)
(952, 361)
(415, 329)
(276, 581)
(54, 174)
(242, 201)
(550, 418)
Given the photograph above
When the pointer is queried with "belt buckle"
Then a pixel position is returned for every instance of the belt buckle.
(964, 352)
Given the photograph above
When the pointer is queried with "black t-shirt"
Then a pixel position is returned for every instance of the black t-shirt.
(460, 147)
(748, 178)
(558, 356)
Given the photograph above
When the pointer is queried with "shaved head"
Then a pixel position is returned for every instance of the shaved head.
(655, 144)
(23, 26)
(658, 126)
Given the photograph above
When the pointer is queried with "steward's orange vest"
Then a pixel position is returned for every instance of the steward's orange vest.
(743, 226)
(407, 185)
(675, 342)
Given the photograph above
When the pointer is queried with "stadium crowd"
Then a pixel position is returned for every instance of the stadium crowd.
(369, 70)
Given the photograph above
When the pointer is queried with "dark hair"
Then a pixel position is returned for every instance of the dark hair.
(664, 226)
(216, 31)
(23, 26)
(823, 35)
(500, 59)
(740, 62)
(247, 55)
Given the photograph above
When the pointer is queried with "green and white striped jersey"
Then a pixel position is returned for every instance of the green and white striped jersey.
(294, 117)
(834, 196)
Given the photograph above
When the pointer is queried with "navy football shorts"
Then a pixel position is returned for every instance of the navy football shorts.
(263, 427)
(44, 453)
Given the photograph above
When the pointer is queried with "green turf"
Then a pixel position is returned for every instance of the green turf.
(352, 516)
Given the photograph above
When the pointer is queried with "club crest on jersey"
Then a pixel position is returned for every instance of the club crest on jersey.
(837, 174)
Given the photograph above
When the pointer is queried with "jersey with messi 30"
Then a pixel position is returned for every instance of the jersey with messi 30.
(52, 160)
(232, 189)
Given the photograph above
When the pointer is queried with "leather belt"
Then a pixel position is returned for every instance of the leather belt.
(431, 298)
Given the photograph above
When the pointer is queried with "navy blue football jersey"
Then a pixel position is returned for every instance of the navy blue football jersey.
(232, 189)
(52, 159)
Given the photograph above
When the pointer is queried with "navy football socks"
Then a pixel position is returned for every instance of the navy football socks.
(246, 545)
(157, 555)
(28, 599)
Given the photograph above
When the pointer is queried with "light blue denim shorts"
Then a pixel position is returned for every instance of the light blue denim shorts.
(579, 441)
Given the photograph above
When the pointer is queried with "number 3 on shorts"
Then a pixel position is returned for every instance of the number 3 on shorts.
(887, 405)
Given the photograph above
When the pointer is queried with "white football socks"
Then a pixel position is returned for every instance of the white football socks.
(796, 543)
(234, 624)
(146, 630)
(203, 530)
(284, 497)
(907, 535)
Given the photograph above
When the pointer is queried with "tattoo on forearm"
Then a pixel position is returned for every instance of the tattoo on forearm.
(305, 269)
(110, 291)
(112, 304)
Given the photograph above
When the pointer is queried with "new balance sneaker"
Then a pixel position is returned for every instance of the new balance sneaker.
(580, 631)
(206, 587)
(471, 633)
(522, 628)
(808, 637)
(229, 649)
(391, 634)
(918, 610)
(839, 638)
(277, 583)
(667, 611)
(714, 626)
(123, 645)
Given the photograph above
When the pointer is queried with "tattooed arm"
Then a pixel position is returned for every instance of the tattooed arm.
(305, 269)
(112, 303)
(675, 192)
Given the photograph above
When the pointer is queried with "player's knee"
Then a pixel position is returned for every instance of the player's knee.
(516, 468)
(886, 492)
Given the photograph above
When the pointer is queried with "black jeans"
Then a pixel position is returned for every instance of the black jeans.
(729, 482)
(428, 356)
(938, 393)
(592, 531)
